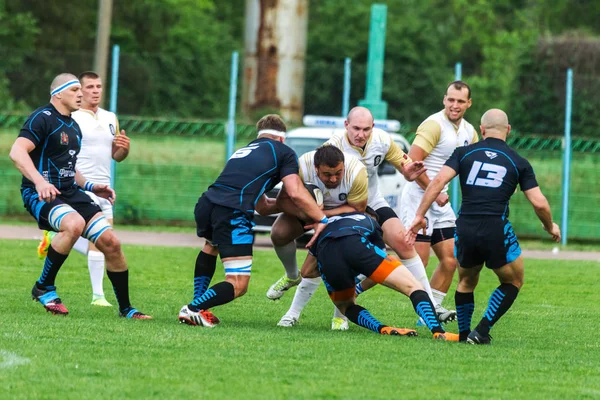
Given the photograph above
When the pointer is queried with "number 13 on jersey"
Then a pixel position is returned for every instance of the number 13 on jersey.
(493, 179)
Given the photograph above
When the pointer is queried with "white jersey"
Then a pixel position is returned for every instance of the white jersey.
(353, 187)
(379, 147)
(440, 137)
(98, 131)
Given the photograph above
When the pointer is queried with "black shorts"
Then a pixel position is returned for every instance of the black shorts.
(74, 197)
(227, 228)
(385, 213)
(342, 259)
(490, 240)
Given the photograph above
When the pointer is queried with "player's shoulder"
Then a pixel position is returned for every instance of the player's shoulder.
(308, 158)
(336, 139)
(381, 136)
(43, 113)
(352, 164)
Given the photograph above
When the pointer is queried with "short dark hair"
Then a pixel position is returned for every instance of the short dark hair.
(271, 121)
(89, 75)
(460, 85)
(328, 155)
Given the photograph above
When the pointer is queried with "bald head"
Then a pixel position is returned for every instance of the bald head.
(61, 79)
(494, 123)
(359, 125)
(359, 112)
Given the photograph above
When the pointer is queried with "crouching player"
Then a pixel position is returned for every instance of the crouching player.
(352, 244)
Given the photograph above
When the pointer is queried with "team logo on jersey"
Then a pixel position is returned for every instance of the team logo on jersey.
(64, 139)
(426, 222)
(72, 153)
(343, 196)
(112, 129)
(491, 154)
(377, 161)
(466, 143)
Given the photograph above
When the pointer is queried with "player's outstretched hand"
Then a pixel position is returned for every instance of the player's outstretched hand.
(411, 233)
(46, 191)
(105, 191)
(442, 199)
(554, 232)
(318, 227)
(413, 170)
(122, 141)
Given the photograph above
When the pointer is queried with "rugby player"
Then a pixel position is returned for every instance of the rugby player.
(489, 173)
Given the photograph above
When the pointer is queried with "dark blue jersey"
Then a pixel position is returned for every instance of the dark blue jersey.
(57, 140)
(489, 174)
(252, 171)
(346, 225)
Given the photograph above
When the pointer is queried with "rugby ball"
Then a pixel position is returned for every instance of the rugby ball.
(315, 192)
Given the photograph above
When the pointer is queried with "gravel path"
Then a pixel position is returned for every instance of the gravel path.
(262, 241)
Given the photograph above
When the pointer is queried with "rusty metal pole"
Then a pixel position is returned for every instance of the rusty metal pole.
(103, 39)
(274, 62)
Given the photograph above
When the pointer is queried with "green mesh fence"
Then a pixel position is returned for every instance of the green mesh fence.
(172, 163)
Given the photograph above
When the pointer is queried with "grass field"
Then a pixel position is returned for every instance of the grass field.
(546, 346)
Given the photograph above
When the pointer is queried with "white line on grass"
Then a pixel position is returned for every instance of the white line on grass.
(9, 360)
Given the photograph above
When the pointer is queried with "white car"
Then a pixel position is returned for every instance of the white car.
(306, 139)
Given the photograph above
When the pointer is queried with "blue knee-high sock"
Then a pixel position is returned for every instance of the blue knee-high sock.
(362, 317)
(203, 273)
(52, 265)
(500, 301)
(424, 309)
(465, 305)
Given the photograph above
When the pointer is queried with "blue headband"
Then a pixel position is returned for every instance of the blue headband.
(65, 86)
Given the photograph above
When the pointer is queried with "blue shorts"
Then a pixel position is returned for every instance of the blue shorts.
(490, 240)
(227, 228)
(74, 197)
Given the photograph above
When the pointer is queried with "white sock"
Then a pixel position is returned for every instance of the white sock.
(287, 255)
(337, 313)
(96, 267)
(82, 245)
(438, 296)
(416, 267)
(304, 292)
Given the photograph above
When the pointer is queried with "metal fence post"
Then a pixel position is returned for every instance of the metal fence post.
(567, 157)
(456, 182)
(346, 98)
(114, 90)
(232, 101)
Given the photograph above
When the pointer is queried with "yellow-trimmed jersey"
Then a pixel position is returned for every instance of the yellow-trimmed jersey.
(379, 147)
(439, 137)
(352, 189)
(98, 131)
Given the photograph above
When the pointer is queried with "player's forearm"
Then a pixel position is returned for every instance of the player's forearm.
(431, 193)
(79, 179)
(544, 213)
(24, 164)
(120, 154)
(423, 181)
(266, 206)
(346, 208)
(306, 204)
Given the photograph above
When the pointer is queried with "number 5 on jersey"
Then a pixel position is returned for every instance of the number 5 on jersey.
(493, 179)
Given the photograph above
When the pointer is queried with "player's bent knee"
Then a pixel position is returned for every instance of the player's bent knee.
(96, 228)
(108, 243)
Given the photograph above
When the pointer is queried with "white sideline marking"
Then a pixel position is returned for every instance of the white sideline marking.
(9, 360)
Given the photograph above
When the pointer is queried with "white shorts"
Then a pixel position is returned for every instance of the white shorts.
(377, 201)
(104, 204)
(437, 217)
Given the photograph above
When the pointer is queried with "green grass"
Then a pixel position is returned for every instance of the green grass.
(545, 347)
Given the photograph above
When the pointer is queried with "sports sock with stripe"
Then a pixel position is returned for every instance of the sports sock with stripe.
(362, 317)
(203, 273)
(221, 293)
(425, 309)
(52, 264)
(500, 301)
(465, 305)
